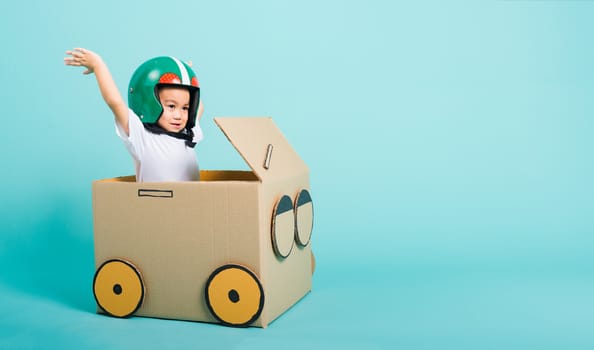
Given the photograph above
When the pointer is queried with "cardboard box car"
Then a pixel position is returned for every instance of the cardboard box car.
(232, 248)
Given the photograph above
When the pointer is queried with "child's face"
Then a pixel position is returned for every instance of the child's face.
(176, 103)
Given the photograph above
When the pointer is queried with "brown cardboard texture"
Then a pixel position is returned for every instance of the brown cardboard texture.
(233, 248)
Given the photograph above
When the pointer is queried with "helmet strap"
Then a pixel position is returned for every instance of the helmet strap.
(187, 134)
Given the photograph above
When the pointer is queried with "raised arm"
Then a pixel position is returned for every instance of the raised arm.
(94, 64)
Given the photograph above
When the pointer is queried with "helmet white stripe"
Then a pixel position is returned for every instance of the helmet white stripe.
(185, 77)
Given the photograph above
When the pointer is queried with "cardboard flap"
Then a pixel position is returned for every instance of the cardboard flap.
(262, 146)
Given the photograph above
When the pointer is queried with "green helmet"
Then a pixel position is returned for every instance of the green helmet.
(164, 70)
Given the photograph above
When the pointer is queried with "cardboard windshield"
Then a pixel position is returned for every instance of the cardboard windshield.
(262, 146)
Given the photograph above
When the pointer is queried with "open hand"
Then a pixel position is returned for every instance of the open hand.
(83, 57)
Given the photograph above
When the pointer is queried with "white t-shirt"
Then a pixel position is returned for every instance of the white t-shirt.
(159, 157)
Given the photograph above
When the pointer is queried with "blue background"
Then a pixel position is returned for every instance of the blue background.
(449, 143)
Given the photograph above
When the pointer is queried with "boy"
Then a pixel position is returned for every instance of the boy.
(160, 124)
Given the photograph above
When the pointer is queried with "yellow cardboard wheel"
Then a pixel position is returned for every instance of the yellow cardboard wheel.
(118, 288)
(234, 295)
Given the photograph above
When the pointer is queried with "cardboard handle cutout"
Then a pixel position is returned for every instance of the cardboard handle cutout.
(155, 193)
(268, 155)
